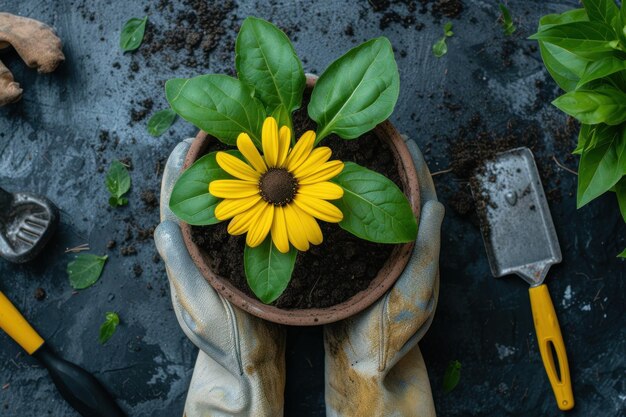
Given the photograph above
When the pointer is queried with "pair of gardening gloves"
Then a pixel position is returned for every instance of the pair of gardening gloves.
(374, 367)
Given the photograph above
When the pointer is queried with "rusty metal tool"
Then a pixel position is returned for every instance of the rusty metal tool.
(520, 239)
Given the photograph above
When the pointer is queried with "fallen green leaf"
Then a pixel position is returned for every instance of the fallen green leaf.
(440, 48)
(507, 23)
(85, 270)
(118, 183)
(161, 121)
(132, 34)
(452, 376)
(111, 321)
(623, 254)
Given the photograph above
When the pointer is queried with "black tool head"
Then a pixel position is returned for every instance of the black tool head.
(27, 222)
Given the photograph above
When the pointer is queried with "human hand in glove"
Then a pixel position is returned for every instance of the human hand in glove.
(373, 364)
(240, 370)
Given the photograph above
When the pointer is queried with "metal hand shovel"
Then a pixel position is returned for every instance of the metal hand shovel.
(520, 239)
(27, 222)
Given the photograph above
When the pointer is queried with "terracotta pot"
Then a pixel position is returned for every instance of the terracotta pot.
(386, 277)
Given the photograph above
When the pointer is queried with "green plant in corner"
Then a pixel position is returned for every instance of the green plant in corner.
(440, 48)
(274, 188)
(584, 50)
(505, 19)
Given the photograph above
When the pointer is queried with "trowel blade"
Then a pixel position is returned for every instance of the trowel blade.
(516, 223)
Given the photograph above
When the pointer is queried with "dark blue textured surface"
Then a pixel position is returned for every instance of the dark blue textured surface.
(50, 144)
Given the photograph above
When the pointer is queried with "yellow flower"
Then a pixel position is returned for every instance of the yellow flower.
(281, 192)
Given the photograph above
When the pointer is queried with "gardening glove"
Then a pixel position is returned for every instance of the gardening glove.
(240, 370)
(373, 364)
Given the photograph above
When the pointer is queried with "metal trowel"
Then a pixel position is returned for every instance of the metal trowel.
(520, 239)
(27, 222)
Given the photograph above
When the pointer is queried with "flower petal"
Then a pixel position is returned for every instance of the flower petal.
(228, 208)
(320, 209)
(301, 151)
(242, 222)
(315, 160)
(250, 152)
(324, 190)
(236, 167)
(279, 230)
(284, 141)
(270, 141)
(295, 229)
(233, 188)
(311, 228)
(325, 172)
(261, 226)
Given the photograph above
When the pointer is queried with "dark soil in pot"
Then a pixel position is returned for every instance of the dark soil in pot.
(327, 274)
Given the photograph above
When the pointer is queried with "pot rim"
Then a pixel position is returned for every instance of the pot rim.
(385, 278)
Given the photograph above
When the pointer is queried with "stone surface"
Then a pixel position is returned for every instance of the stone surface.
(59, 140)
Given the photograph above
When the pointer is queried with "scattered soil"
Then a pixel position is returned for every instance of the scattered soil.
(447, 8)
(150, 199)
(40, 294)
(327, 274)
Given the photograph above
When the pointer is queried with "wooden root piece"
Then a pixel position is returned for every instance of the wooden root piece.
(10, 91)
(37, 45)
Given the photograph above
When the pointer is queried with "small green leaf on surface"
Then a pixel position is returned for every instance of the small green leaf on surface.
(85, 270)
(623, 254)
(118, 183)
(190, 200)
(507, 23)
(440, 48)
(160, 122)
(373, 207)
(357, 91)
(111, 321)
(268, 270)
(452, 376)
(132, 34)
(220, 105)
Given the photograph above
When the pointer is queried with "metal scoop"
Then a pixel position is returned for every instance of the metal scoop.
(27, 222)
(520, 239)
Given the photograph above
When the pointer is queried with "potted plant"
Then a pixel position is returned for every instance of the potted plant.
(260, 192)
(584, 50)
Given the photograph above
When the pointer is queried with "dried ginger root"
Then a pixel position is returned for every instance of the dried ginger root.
(37, 45)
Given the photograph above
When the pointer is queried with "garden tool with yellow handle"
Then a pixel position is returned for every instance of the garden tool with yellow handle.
(79, 388)
(520, 239)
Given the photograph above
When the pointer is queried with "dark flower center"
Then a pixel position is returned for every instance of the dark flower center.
(278, 186)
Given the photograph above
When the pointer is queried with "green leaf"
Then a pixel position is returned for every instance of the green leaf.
(447, 29)
(507, 23)
(220, 105)
(582, 38)
(620, 191)
(266, 60)
(111, 321)
(132, 34)
(118, 183)
(440, 48)
(584, 136)
(268, 270)
(161, 121)
(357, 91)
(373, 207)
(190, 200)
(452, 376)
(601, 68)
(574, 15)
(623, 254)
(85, 270)
(565, 67)
(602, 105)
(601, 168)
(601, 10)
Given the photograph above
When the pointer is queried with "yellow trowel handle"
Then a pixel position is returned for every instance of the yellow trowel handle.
(549, 336)
(16, 326)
